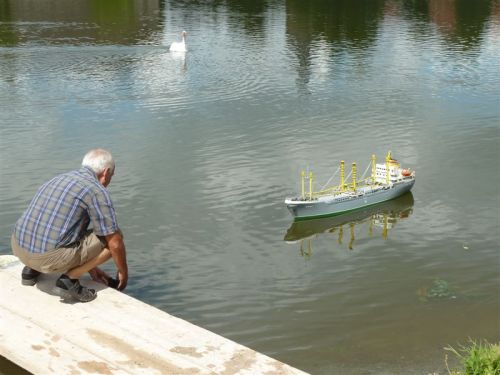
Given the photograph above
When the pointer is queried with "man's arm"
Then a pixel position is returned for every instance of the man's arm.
(116, 246)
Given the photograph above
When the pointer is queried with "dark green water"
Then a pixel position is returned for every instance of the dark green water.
(209, 143)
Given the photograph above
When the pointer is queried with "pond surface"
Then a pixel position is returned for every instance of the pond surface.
(209, 143)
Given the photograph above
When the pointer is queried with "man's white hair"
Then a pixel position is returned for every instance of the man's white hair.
(98, 160)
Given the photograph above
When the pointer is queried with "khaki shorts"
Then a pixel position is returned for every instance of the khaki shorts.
(61, 259)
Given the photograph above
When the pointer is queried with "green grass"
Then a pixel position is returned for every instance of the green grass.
(480, 358)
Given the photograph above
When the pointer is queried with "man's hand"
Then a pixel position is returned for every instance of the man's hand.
(122, 280)
(99, 275)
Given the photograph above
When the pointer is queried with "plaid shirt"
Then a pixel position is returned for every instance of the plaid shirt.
(61, 211)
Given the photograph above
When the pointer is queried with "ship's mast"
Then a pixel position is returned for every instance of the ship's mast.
(342, 175)
(374, 167)
(302, 175)
(354, 176)
(310, 185)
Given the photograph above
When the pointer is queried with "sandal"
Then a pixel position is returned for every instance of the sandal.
(71, 289)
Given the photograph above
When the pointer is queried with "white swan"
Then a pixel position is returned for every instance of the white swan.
(179, 46)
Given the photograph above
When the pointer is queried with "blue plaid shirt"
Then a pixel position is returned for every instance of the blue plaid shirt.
(61, 211)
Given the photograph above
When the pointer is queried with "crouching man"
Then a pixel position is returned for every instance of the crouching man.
(52, 235)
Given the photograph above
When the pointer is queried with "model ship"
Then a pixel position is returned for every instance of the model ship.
(386, 181)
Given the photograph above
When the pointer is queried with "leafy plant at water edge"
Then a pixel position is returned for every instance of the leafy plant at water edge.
(480, 358)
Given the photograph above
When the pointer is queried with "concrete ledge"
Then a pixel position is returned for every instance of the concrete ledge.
(114, 334)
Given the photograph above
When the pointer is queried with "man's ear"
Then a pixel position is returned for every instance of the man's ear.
(107, 175)
(103, 176)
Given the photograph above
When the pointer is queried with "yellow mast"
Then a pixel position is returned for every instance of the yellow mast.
(374, 161)
(302, 175)
(342, 175)
(310, 185)
(354, 176)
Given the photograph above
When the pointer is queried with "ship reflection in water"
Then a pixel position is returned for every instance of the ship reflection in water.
(381, 217)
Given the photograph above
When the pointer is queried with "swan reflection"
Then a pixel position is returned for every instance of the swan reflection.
(382, 216)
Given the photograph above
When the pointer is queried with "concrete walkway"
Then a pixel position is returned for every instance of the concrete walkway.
(114, 334)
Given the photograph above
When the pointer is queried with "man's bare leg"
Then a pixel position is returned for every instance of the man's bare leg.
(68, 286)
(77, 272)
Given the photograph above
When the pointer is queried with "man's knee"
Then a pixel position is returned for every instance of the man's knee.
(105, 255)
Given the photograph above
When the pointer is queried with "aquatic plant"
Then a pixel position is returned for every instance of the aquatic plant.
(440, 289)
(480, 358)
